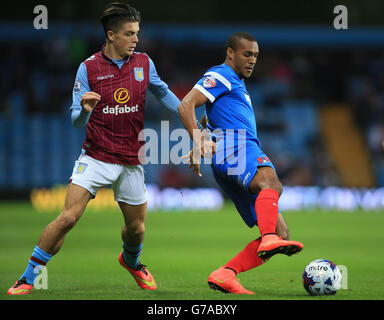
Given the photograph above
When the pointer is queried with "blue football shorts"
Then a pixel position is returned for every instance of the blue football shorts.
(234, 175)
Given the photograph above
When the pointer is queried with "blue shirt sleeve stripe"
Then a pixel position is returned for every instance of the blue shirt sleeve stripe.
(213, 85)
(79, 118)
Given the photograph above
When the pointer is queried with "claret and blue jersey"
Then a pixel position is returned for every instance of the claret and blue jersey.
(158, 87)
(113, 126)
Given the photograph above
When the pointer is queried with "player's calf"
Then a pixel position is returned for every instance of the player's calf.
(65, 222)
(282, 227)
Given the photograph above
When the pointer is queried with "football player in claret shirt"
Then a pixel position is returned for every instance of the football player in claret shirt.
(240, 167)
(108, 98)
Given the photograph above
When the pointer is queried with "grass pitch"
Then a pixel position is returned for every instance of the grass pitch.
(182, 248)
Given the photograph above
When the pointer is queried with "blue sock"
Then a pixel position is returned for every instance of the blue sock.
(131, 255)
(39, 259)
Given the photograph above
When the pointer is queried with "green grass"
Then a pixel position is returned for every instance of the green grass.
(182, 248)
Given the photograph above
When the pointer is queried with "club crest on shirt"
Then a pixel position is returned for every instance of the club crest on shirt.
(209, 82)
(81, 167)
(139, 74)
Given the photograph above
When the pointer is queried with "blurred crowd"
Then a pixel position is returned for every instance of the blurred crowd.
(287, 90)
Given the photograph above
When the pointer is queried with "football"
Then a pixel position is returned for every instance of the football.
(321, 277)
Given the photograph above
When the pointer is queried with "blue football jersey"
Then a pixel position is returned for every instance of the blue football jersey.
(236, 161)
(229, 105)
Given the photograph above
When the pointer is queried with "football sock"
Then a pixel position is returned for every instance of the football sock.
(246, 259)
(38, 259)
(131, 255)
(266, 206)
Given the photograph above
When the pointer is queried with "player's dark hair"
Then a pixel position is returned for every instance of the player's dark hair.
(116, 13)
(233, 40)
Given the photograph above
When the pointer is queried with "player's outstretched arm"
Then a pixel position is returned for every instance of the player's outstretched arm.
(189, 158)
(191, 101)
(202, 145)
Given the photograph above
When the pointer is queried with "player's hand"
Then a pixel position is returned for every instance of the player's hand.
(193, 163)
(203, 146)
(208, 148)
(89, 101)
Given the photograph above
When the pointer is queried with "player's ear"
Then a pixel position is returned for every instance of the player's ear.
(110, 35)
(230, 53)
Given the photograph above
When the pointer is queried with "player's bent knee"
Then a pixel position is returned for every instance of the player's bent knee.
(265, 178)
(66, 222)
(275, 185)
(136, 229)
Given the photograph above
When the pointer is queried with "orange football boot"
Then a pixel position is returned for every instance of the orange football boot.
(224, 279)
(20, 287)
(272, 244)
(142, 276)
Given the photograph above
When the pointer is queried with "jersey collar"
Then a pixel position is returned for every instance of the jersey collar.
(109, 60)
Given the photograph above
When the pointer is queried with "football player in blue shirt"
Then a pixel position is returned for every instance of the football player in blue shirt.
(240, 167)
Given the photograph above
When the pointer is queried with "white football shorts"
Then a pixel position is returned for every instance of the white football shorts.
(127, 181)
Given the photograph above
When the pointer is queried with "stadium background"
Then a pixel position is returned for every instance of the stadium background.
(318, 95)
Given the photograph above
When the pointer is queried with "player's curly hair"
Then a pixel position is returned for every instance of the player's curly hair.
(116, 13)
(233, 40)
